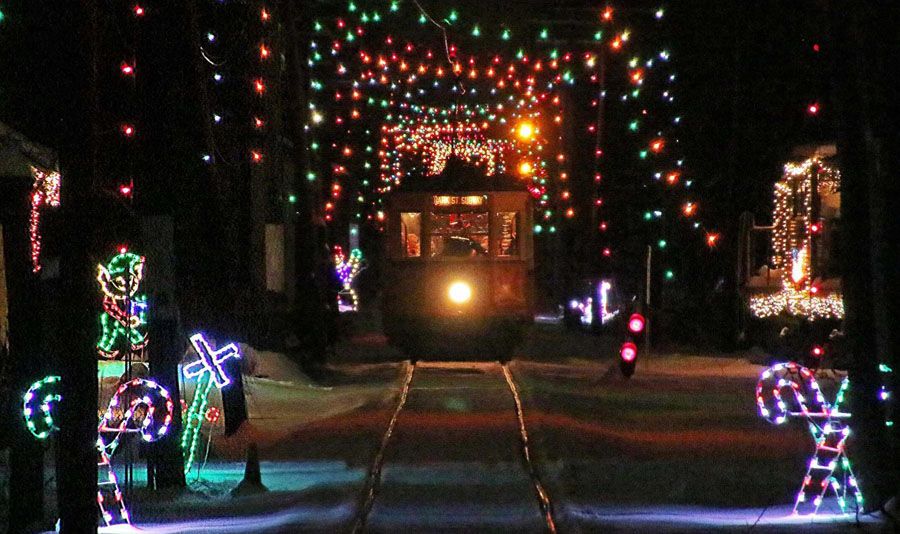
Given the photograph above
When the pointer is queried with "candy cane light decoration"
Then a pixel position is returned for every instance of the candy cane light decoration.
(139, 406)
(789, 391)
(38, 406)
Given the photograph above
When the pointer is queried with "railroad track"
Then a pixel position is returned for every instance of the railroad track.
(374, 481)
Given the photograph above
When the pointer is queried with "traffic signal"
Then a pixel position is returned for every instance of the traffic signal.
(628, 353)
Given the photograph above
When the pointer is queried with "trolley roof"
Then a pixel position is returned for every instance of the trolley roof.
(460, 176)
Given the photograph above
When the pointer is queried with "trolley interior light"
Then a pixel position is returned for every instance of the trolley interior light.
(628, 352)
(636, 323)
(459, 292)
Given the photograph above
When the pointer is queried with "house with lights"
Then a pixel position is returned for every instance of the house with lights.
(798, 277)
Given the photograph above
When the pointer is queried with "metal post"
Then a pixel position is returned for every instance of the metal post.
(647, 314)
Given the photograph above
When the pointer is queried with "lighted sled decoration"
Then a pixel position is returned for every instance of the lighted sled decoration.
(790, 391)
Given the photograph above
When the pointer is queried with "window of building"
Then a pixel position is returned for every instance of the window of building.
(411, 234)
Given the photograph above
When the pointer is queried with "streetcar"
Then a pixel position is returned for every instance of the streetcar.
(459, 264)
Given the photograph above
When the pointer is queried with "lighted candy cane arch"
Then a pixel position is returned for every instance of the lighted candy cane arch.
(788, 390)
(208, 371)
(139, 406)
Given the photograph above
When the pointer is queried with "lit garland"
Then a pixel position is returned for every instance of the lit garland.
(347, 269)
(788, 390)
(218, 51)
(45, 192)
(798, 303)
(123, 321)
(376, 63)
(139, 406)
(209, 372)
(792, 226)
(793, 235)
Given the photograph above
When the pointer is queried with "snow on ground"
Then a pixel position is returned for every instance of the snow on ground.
(282, 400)
(677, 447)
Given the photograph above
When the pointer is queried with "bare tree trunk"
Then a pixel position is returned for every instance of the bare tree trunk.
(77, 459)
(26, 458)
(857, 95)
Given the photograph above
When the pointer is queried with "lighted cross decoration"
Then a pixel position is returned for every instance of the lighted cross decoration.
(211, 361)
(209, 372)
(788, 391)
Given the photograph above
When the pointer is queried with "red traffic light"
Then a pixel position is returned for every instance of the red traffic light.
(636, 323)
(628, 352)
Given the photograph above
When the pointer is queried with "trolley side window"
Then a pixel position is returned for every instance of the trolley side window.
(508, 235)
(460, 235)
(411, 234)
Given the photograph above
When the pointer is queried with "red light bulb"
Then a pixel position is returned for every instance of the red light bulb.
(636, 323)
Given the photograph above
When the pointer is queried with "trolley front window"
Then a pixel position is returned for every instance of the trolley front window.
(411, 234)
(459, 235)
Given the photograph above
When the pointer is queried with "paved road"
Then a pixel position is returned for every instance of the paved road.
(455, 459)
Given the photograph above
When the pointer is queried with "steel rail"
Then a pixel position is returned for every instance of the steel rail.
(373, 480)
(541, 492)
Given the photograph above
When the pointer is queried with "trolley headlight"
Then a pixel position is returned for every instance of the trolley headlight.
(459, 292)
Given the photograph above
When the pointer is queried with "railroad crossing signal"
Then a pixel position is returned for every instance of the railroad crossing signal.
(628, 353)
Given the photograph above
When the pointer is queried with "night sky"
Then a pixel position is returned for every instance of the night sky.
(747, 72)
